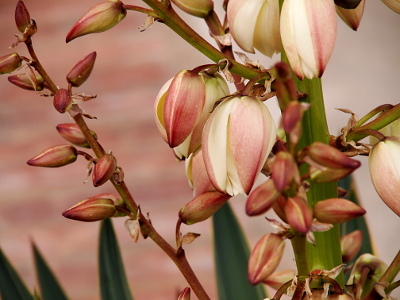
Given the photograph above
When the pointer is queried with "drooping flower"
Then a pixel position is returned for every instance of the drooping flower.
(308, 31)
(255, 24)
(237, 139)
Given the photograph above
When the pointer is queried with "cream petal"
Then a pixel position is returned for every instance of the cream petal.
(159, 109)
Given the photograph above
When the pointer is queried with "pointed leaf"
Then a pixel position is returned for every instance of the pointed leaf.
(49, 286)
(113, 282)
(231, 258)
(11, 285)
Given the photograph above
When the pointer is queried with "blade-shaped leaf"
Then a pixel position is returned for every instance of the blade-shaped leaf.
(49, 286)
(11, 285)
(231, 257)
(113, 283)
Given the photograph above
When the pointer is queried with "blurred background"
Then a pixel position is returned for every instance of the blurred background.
(131, 67)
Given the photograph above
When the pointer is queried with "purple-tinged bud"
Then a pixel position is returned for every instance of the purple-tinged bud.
(262, 198)
(265, 257)
(291, 119)
(9, 63)
(197, 8)
(54, 157)
(277, 279)
(99, 18)
(330, 157)
(82, 70)
(72, 133)
(279, 208)
(299, 214)
(184, 294)
(104, 169)
(202, 207)
(26, 82)
(90, 210)
(336, 210)
(350, 245)
(22, 17)
(62, 101)
(285, 171)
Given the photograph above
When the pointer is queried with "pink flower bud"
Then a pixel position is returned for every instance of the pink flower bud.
(262, 198)
(90, 210)
(279, 208)
(9, 63)
(277, 279)
(72, 133)
(202, 207)
(237, 140)
(299, 214)
(99, 18)
(350, 245)
(255, 24)
(54, 157)
(104, 169)
(82, 70)
(336, 210)
(352, 17)
(285, 171)
(330, 157)
(22, 17)
(27, 82)
(384, 168)
(265, 257)
(197, 8)
(62, 101)
(184, 294)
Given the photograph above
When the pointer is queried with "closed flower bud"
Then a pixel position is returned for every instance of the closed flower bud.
(352, 17)
(277, 279)
(54, 157)
(265, 257)
(384, 168)
(336, 210)
(262, 198)
(393, 5)
(26, 82)
(99, 18)
(197, 8)
(72, 133)
(22, 17)
(330, 157)
(279, 208)
(82, 70)
(90, 210)
(184, 294)
(255, 24)
(350, 245)
(285, 171)
(202, 207)
(9, 63)
(299, 214)
(62, 101)
(237, 140)
(308, 40)
(104, 169)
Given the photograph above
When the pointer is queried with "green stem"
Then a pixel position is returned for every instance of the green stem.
(299, 243)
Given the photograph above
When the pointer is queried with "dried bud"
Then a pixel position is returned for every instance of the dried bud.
(285, 171)
(331, 157)
(197, 8)
(104, 169)
(90, 210)
(54, 157)
(299, 214)
(81, 71)
(99, 18)
(277, 279)
(62, 101)
(202, 207)
(265, 257)
(72, 133)
(350, 245)
(184, 294)
(336, 210)
(262, 198)
(22, 17)
(133, 228)
(9, 63)
(27, 82)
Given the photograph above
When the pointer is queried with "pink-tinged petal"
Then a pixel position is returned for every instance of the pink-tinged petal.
(352, 17)
(183, 105)
(197, 174)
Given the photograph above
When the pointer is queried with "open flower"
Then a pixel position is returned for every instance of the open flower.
(237, 139)
(308, 31)
(255, 24)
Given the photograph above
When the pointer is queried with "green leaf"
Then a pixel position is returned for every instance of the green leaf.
(113, 283)
(11, 285)
(49, 286)
(231, 256)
